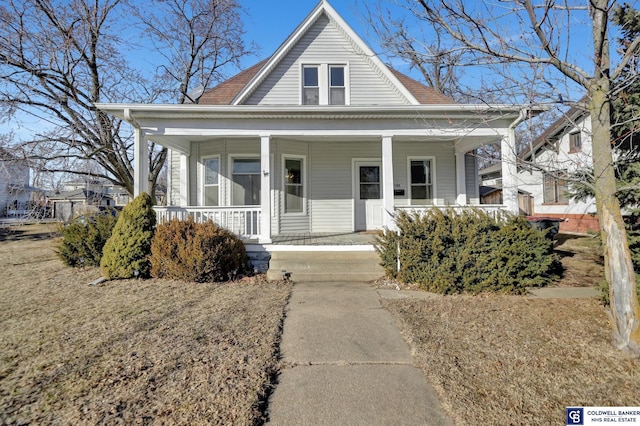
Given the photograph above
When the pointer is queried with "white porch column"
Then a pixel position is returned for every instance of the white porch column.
(140, 162)
(387, 182)
(509, 172)
(184, 180)
(265, 189)
(461, 179)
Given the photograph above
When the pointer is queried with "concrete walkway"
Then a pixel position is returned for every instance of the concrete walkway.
(345, 363)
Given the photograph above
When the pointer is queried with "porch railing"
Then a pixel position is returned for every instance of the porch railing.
(242, 221)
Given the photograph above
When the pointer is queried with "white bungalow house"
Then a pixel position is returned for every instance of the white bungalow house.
(15, 192)
(561, 150)
(322, 136)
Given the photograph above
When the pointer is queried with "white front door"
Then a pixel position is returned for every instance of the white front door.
(368, 195)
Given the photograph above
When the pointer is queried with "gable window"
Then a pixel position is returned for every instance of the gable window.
(211, 190)
(336, 85)
(421, 180)
(575, 142)
(245, 177)
(555, 190)
(311, 88)
(294, 185)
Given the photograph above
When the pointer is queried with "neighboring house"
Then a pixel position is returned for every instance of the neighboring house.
(69, 204)
(15, 192)
(543, 169)
(321, 136)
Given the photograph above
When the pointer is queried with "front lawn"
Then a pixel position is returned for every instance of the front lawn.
(132, 351)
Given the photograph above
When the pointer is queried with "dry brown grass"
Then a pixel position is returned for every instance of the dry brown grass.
(129, 352)
(506, 360)
(581, 257)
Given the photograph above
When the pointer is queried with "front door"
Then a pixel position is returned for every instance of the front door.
(368, 195)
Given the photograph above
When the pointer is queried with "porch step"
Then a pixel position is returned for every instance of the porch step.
(325, 265)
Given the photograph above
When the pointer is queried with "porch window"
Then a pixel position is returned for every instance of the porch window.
(311, 87)
(555, 190)
(294, 185)
(211, 191)
(245, 178)
(336, 85)
(421, 176)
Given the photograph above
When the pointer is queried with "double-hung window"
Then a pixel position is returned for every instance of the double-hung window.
(325, 84)
(310, 83)
(245, 176)
(421, 180)
(555, 190)
(337, 95)
(294, 185)
(211, 190)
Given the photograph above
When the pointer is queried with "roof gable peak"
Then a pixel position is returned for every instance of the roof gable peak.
(323, 8)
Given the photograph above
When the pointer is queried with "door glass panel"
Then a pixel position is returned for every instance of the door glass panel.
(369, 182)
(246, 166)
(370, 174)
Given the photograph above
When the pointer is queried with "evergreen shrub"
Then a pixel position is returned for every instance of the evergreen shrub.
(125, 255)
(444, 251)
(83, 240)
(198, 252)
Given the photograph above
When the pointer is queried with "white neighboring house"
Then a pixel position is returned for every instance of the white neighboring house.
(321, 136)
(15, 192)
(562, 149)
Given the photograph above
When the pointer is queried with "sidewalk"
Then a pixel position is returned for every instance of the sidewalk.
(345, 363)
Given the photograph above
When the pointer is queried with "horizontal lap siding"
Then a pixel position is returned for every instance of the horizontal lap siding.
(332, 182)
(174, 170)
(471, 176)
(445, 178)
(324, 44)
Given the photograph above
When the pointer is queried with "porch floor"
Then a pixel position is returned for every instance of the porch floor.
(324, 238)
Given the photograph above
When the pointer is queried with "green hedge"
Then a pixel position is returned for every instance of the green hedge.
(125, 254)
(467, 252)
(84, 238)
(199, 252)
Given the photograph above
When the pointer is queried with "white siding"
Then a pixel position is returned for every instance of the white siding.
(174, 171)
(324, 44)
(332, 182)
(445, 178)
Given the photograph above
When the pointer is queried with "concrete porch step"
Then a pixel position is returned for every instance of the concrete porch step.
(325, 265)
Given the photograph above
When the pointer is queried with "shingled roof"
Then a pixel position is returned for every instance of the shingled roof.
(225, 92)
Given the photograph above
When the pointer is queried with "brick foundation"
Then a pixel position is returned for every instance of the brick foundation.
(580, 223)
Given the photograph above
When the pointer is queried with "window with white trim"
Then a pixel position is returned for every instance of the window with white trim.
(293, 185)
(310, 85)
(245, 182)
(337, 87)
(211, 181)
(325, 84)
(421, 181)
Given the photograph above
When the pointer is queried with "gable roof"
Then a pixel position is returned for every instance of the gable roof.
(567, 121)
(246, 82)
(225, 92)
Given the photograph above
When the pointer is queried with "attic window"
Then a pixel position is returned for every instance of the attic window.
(336, 85)
(311, 89)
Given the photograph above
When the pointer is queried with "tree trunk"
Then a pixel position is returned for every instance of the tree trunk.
(618, 267)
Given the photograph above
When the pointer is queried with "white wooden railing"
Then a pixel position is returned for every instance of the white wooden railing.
(242, 221)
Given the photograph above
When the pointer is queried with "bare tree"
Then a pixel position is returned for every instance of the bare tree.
(539, 34)
(59, 58)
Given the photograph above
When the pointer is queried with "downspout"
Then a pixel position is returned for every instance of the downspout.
(509, 160)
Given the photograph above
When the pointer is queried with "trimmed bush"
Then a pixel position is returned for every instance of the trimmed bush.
(467, 252)
(199, 252)
(83, 240)
(125, 255)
